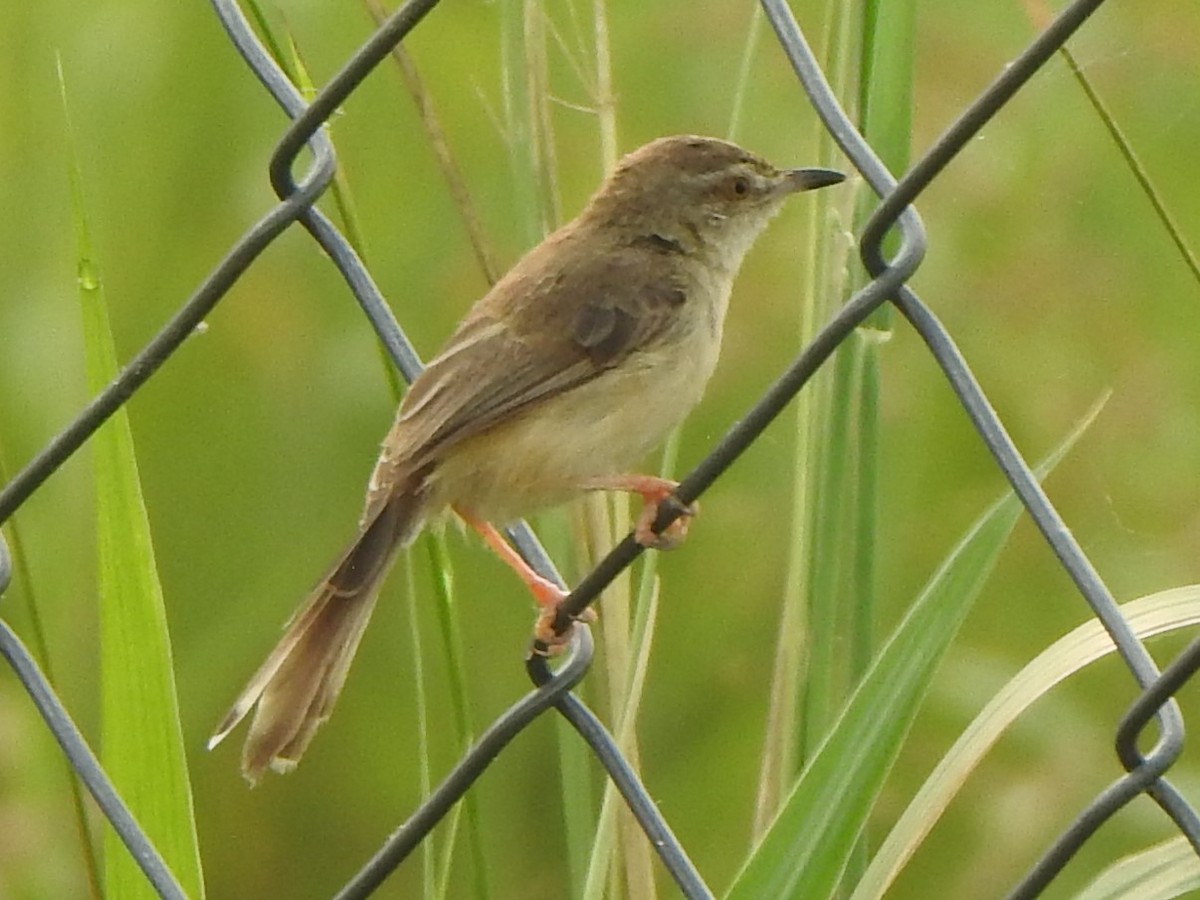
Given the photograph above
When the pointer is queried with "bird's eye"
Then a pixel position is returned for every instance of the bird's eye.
(741, 185)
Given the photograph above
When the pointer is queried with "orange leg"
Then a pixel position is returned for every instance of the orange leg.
(653, 492)
(547, 594)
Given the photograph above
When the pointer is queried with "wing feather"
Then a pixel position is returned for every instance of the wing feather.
(531, 339)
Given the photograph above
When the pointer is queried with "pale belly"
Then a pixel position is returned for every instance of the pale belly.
(543, 456)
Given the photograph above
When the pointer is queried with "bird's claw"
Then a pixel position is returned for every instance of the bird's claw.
(671, 536)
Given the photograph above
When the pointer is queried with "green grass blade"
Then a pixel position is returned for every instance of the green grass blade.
(886, 62)
(41, 652)
(886, 79)
(1174, 232)
(825, 449)
(142, 740)
(1040, 16)
(1148, 616)
(640, 883)
(810, 842)
(343, 199)
(450, 625)
(440, 865)
(424, 766)
(825, 687)
(823, 283)
(259, 17)
(885, 104)
(575, 764)
(742, 85)
(1167, 870)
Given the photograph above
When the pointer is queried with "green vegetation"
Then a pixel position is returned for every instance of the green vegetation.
(1047, 262)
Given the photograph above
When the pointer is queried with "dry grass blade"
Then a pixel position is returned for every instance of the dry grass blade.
(1040, 16)
(440, 146)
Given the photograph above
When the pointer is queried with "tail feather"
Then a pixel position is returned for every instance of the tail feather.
(295, 688)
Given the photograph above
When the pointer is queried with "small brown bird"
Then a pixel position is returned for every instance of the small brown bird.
(567, 373)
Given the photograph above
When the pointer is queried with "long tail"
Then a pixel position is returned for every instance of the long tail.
(297, 685)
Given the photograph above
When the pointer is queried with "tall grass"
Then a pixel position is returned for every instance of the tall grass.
(842, 694)
(141, 735)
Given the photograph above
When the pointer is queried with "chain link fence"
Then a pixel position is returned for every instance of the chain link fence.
(1146, 770)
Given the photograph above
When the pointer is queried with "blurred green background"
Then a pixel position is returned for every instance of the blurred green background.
(256, 438)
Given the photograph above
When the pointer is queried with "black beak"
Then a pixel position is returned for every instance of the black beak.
(811, 179)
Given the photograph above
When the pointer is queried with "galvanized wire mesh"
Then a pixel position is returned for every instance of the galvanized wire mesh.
(553, 688)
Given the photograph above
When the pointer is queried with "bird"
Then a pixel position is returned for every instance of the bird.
(559, 380)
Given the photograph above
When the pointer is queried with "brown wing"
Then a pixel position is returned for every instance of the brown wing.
(560, 328)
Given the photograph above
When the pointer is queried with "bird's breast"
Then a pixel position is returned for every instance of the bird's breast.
(605, 426)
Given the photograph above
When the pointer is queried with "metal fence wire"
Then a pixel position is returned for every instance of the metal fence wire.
(889, 277)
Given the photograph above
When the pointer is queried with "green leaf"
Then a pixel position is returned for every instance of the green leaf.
(1162, 872)
(141, 735)
(886, 82)
(1165, 611)
(450, 624)
(808, 845)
